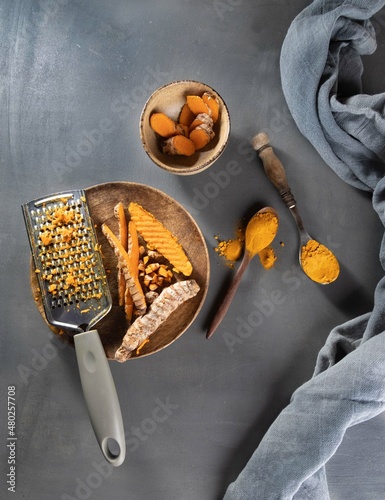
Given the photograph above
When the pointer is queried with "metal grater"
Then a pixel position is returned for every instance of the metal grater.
(68, 262)
(75, 295)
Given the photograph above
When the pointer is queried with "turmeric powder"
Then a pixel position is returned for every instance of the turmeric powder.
(267, 257)
(319, 263)
(232, 249)
(201, 135)
(165, 126)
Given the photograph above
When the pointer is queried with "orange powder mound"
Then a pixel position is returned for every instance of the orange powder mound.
(319, 263)
(267, 257)
(231, 249)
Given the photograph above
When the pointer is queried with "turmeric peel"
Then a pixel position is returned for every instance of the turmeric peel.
(201, 119)
(201, 136)
(319, 263)
(212, 102)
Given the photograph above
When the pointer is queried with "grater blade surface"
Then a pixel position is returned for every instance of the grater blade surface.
(68, 261)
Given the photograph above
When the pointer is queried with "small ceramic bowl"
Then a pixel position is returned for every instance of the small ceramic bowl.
(169, 99)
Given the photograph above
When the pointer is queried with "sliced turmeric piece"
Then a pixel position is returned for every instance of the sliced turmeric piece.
(160, 238)
(201, 136)
(134, 251)
(129, 273)
(186, 116)
(133, 254)
(202, 118)
(213, 103)
(128, 305)
(165, 126)
(123, 231)
(178, 145)
(138, 349)
(123, 238)
(197, 104)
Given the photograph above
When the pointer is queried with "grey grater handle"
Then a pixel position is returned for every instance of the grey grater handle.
(100, 395)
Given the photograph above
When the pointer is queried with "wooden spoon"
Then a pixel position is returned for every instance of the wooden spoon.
(276, 173)
(255, 241)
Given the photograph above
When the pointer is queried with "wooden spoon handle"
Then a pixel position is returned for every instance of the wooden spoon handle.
(228, 298)
(273, 167)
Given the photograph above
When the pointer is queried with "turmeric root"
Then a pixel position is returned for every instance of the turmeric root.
(197, 105)
(212, 102)
(202, 118)
(133, 254)
(129, 273)
(201, 136)
(186, 116)
(123, 238)
(165, 126)
(178, 145)
(194, 129)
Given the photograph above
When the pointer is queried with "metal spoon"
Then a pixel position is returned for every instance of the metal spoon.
(251, 250)
(276, 173)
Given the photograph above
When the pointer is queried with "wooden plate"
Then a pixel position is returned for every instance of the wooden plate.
(101, 200)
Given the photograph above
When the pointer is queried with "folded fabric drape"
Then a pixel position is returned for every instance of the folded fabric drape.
(321, 73)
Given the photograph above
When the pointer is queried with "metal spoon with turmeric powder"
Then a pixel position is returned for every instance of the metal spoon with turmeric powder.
(260, 232)
(317, 261)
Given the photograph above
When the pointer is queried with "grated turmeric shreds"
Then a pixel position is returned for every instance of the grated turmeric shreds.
(267, 257)
(138, 349)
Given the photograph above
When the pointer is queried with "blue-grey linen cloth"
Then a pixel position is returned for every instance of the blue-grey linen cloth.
(321, 72)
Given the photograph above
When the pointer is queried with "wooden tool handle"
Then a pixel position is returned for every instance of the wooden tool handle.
(228, 298)
(273, 167)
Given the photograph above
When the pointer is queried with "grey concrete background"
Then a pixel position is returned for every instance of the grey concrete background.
(67, 65)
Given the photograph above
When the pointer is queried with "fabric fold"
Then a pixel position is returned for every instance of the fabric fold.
(321, 72)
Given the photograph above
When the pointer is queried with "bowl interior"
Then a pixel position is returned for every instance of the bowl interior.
(169, 100)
